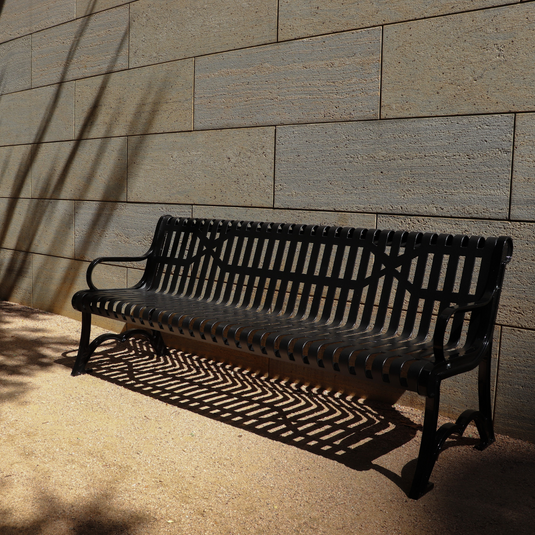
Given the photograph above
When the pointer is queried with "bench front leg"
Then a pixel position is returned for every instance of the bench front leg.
(429, 449)
(433, 440)
(83, 348)
(86, 349)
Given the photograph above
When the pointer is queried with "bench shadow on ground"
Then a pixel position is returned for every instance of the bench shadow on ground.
(350, 431)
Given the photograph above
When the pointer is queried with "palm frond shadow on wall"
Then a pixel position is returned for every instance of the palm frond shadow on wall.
(22, 220)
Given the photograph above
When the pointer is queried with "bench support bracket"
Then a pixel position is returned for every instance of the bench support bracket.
(87, 349)
(433, 441)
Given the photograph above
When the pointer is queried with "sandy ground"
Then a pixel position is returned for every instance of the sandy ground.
(185, 445)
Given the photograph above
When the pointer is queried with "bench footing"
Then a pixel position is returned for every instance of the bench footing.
(433, 442)
(87, 349)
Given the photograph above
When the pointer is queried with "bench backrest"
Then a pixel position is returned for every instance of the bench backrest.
(389, 280)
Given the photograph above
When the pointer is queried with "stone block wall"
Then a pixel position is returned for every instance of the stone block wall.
(413, 114)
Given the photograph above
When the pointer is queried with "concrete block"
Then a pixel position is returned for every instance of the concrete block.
(15, 171)
(164, 30)
(38, 226)
(51, 227)
(133, 276)
(52, 110)
(86, 169)
(515, 410)
(85, 47)
(523, 191)
(15, 215)
(118, 229)
(300, 18)
(86, 7)
(16, 277)
(517, 305)
(232, 167)
(55, 280)
(137, 101)
(44, 114)
(438, 166)
(15, 65)
(21, 17)
(475, 62)
(322, 79)
(342, 219)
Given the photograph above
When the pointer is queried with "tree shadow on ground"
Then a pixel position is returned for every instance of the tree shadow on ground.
(53, 517)
(26, 347)
(348, 430)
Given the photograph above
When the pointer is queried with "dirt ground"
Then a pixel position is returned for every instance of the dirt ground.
(186, 445)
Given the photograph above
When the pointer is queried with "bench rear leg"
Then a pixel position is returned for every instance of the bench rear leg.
(158, 344)
(484, 420)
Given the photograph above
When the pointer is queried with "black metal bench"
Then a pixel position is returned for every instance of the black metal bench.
(403, 309)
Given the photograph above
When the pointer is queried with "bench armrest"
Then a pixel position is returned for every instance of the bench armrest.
(89, 274)
(448, 313)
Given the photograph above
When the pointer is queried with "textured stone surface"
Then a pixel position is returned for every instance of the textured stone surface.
(441, 166)
(52, 113)
(233, 167)
(16, 276)
(85, 47)
(517, 306)
(21, 17)
(342, 219)
(44, 114)
(56, 279)
(85, 7)
(38, 226)
(299, 18)
(14, 213)
(15, 65)
(523, 191)
(88, 169)
(321, 79)
(138, 101)
(118, 229)
(163, 30)
(515, 410)
(472, 62)
(15, 171)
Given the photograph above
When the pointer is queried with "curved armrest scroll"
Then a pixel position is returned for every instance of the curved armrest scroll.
(112, 259)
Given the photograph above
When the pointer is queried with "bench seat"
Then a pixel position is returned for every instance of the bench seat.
(401, 361)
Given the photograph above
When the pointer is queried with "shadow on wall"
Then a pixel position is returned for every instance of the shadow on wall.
(34, 220)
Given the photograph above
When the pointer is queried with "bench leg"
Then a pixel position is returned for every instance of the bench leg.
(433, 440)
(83, 348)
(157, 343)
(428, 449)
(484, 420)
(86, 349)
